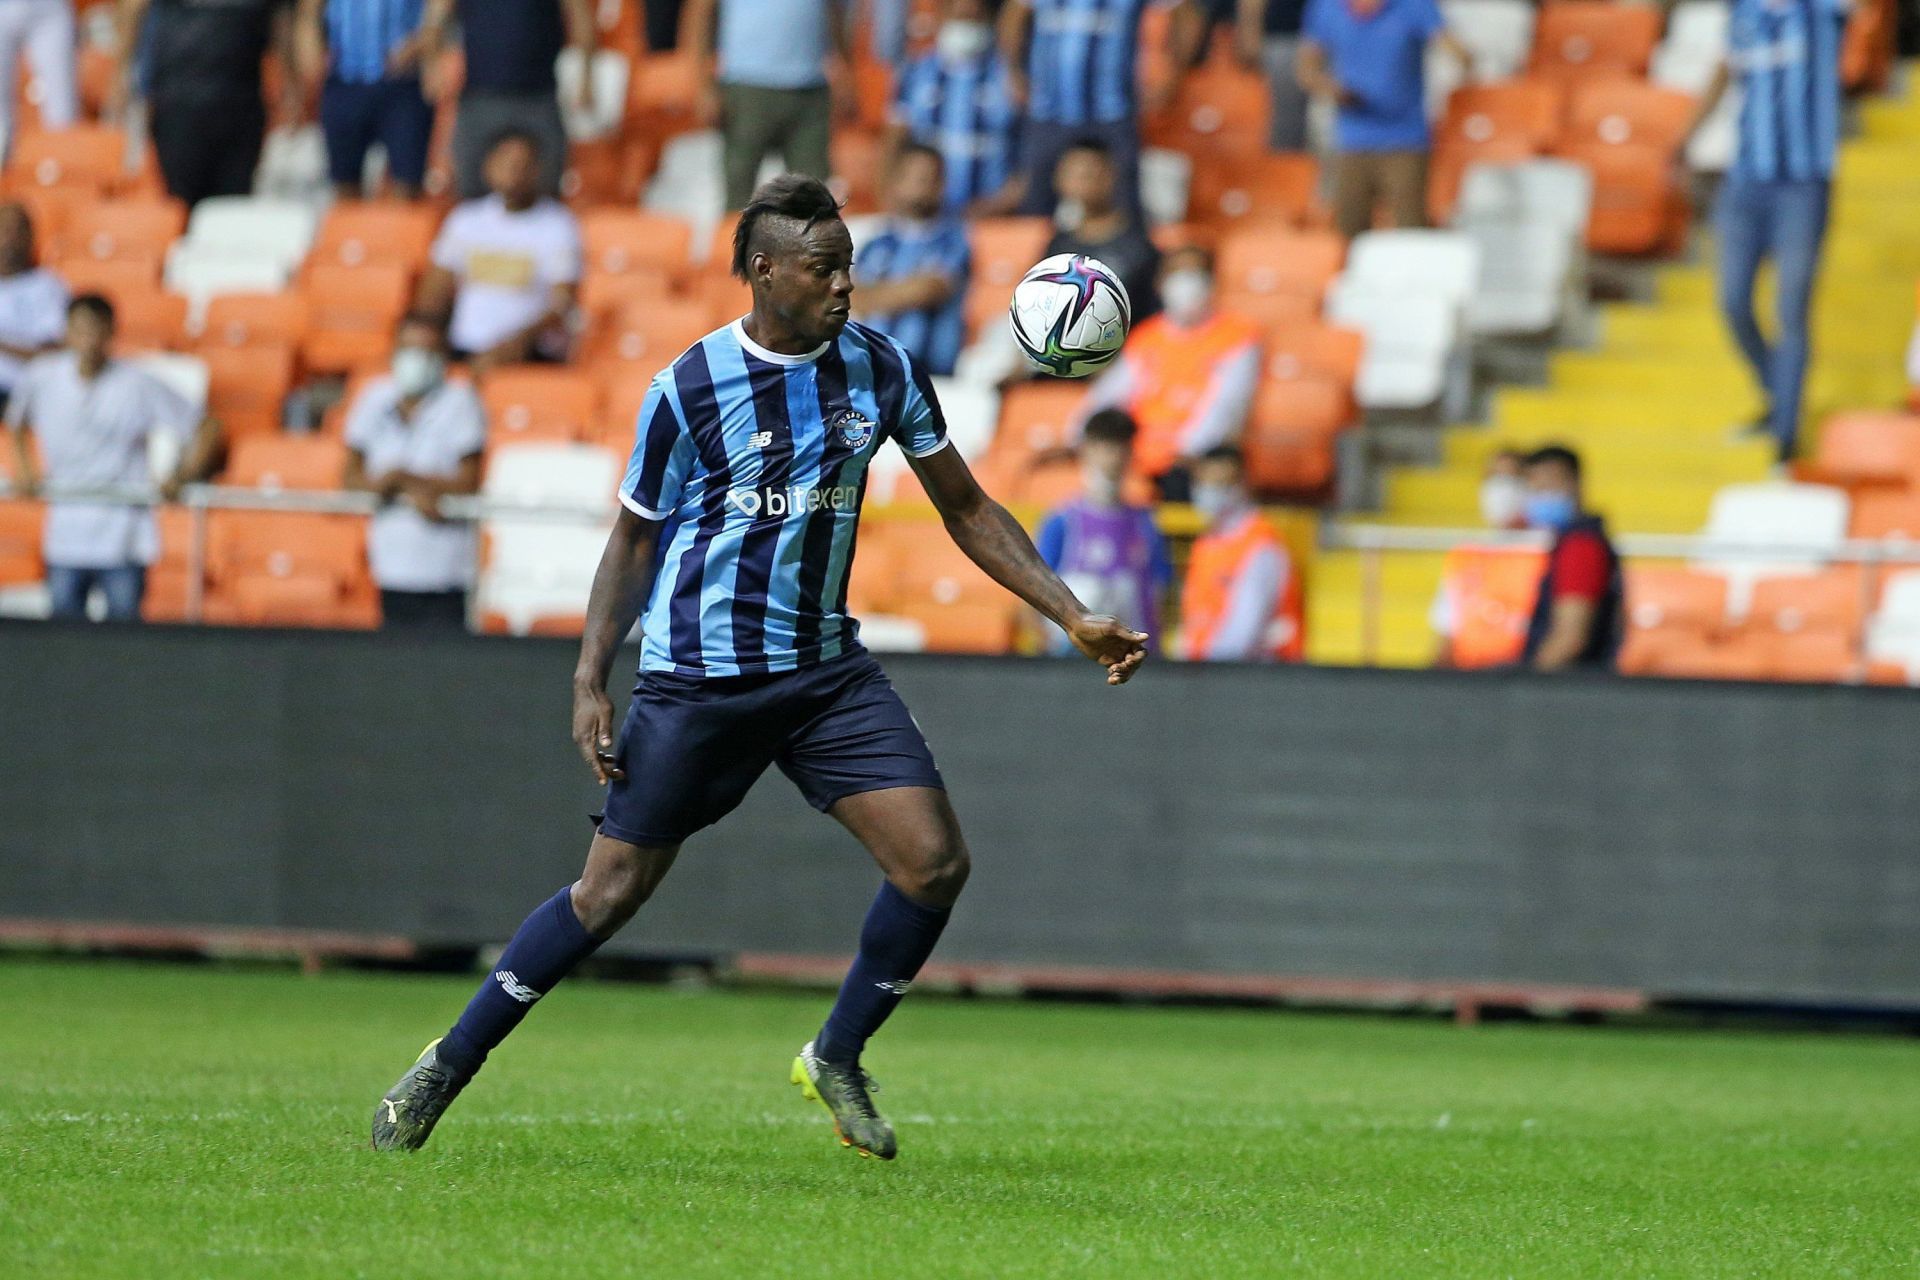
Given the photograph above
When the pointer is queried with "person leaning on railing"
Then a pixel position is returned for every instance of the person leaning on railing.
(93, 417)
(1579, 609)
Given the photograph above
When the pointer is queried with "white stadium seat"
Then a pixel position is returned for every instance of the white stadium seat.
(246, 227)
(201, 271)
(972, 411)
(1411, 344)
(1893, 633)
(1694, 47)
(1538, 191)
(1500, 35)
(539, 569)
(611, 72)
(1442, 264)
(1762, 530)
(1526, 278)
(1165, 178)
(558, 475)
(688, 184)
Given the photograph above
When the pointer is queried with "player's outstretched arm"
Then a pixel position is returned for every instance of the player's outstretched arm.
(994, 540)
(619, 589)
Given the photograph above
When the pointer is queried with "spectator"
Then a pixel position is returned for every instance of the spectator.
(93, 417)
(33, 302)
(510, 47)
(205, 95)
(365, 56)
(913, 271)
(506, 267)
(1108, 550)
(1093, 223)
(1578, 610)
(958, 99)
(772, 89)
(1241, 599)
(1268, 33)
(1187, 375)
(1077, 77)
(1773, 204)
(44, 31)
(414, 438)
(1369, 57)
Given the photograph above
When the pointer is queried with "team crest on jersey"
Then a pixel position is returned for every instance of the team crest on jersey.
(853, 429)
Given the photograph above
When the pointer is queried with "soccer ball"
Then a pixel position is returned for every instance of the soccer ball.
(1069, 315)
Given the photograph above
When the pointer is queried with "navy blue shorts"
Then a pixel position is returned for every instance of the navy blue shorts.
(391, 112)
(692, 747)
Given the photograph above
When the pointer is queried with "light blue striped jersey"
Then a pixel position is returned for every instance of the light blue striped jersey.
(756, 464)
(361, 33)
(1786, 56)
(898, 249)
(963, 108)
(1083, 63)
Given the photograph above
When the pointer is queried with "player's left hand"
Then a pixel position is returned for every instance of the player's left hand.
(1111, 643)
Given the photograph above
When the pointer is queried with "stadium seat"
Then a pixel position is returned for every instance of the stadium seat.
(1273, 187)
(1835, 600)
(601, 292)
(89, 157)
(1543, 191)
(1411, 344)
(351, 313)
(290, 569)
(1218, 108)
(1616, 112)
(1499, 33)
(1670, 597)
(1271, 260)
(358, 233)
(532, 402)
(254, 320)
(1638, 206)
(170, 577)
(187, 375)
(1312, 349)
(1578, 39)
(247, 387)
(1270, 311)
(1893, 632)
(1004, 249)
(287, 462)
(1035, 418)
(610, 72)
(619, 241)
(279, 231)
(1506, 123)
(1886, 516)
(972, 413)
(122, 229)
(1489, 593)
(555, 474)
(1529, 278)
(536, 575)
(646, 338)
(959, 608)
(149, 321)
(21, 522)
(1759, 530)
(1289, 438)
(1440, 264)
(115, 277)
(1166, 185)
(199, 272)
(1868, 447)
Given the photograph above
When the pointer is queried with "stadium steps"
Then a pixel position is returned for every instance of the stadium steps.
(1653, 404)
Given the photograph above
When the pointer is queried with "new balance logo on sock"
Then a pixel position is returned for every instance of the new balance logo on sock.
(898, 988)
(514, 987)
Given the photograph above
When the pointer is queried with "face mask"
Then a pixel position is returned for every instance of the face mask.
(417, 371)
(1101, 489)
(1213, 501)
(959, 41)
(1069, 214)
(1550, 511)
(1185, 295)
(1503, 500)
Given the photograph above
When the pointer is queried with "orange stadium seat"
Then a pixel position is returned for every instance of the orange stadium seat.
(288, 462)
(618, 241)
(1638, 206)
(92, 157)
(122, 229)
(1313, 349)
(351, 312)
(247, 387)
(1289, 441)
(1271, 187)
(1689, 655)
(1269, 260)
(1034, 419)
(1834, 600)
(1667, 597)
(170, 577)
(1503, 123)
(20, 525)
(1617, 111)
(359, 233)
(1868, 447)
(646, 338)
(1271, 311)
(1004, 249)
(254, 320)
(601, 291)
(934, 583)
(1575, 39)
(115, 277)
(290, 569)
(51, 209)
(1886, 515)
(531, 402)
(855, 157)
(1492, 591)
(151, 321)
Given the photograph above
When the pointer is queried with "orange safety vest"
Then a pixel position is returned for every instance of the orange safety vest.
(1491, 592)
(1214, 567)
(1171, 368)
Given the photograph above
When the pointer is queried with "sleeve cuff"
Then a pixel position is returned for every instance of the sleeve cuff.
(628, 501)
(928, 451)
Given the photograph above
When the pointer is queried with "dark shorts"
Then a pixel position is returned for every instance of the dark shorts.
(391, 112)
(692, 747)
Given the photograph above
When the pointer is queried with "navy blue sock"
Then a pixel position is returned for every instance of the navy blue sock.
(895, 941)
(549, 943)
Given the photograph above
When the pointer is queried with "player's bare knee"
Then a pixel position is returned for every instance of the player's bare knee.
(935, 873)
(615, 884)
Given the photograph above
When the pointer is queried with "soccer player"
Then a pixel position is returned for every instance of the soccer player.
(740, 507)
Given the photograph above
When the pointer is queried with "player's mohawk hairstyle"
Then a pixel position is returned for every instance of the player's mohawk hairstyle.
(791, 195)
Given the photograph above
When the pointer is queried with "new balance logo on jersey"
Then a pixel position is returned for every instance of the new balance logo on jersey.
(799, 498)
(898, 987)
(514, 987)
(760, 439)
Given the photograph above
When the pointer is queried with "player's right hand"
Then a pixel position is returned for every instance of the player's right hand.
(593, 733)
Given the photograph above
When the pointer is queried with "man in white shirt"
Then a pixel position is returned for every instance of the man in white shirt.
(413, 438)
(33, 302)
(93, 418)
(506, 266)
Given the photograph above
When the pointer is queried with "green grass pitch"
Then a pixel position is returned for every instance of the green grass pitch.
(160, 1121)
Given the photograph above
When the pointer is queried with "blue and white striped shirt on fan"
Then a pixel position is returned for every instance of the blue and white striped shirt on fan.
(1083, 60)
(1785, 55)
(934, 335)
(964, 109)
(756, 464)
(360, 34)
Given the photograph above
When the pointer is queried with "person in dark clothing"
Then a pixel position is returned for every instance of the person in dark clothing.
(510, 47)
(1095, 223)
(1579, 608)
(204, 94)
